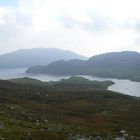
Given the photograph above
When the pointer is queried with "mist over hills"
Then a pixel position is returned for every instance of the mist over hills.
(36, 56)
(124, 65)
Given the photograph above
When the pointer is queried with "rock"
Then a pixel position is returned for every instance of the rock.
(78, 137)
(1, 126)
(46, 121)
(12, 108)
(123, 131)
(2, 138)
(98, 138)
(109, 137)
(120, 138)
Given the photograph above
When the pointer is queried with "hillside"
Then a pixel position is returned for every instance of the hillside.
(36, 56)
(65, 109)
(122, 65)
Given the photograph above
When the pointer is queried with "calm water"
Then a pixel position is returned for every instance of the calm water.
(122, 86)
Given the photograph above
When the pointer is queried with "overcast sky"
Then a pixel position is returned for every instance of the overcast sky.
(87, 27)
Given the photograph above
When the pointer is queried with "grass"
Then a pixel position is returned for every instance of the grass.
(56, 110)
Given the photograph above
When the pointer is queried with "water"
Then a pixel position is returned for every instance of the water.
(20, 73)
(122, 86)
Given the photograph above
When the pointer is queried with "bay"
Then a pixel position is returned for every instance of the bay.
(124, 86)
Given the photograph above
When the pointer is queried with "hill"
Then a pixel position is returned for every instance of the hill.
(36, 56)
(65, 109)
(122, 65)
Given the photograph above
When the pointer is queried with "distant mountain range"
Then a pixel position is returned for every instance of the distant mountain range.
(36, 56)
(122, 65)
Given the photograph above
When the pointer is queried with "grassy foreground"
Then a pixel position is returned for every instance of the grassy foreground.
(35, 110)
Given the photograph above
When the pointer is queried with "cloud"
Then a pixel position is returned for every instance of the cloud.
(85, 26)
(96, 24)
(14, 31)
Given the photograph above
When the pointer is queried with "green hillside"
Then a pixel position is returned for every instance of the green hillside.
(60, 110)
(121, 65)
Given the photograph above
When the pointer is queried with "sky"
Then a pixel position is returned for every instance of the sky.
(87, 27)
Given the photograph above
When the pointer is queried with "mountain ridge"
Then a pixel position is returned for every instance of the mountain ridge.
(121, 65)
(36, 56)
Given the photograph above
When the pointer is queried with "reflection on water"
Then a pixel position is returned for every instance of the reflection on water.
(122, 86)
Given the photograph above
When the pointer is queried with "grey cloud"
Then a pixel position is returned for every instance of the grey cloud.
(69, 22)
(15, 32)
(23, 19)
(13, 27)
(97, 24)
(137, 25)
(131, 24)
